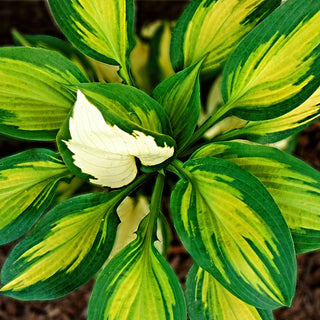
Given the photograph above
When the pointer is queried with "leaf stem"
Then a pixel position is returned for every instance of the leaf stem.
(155, 208)
(216, 117)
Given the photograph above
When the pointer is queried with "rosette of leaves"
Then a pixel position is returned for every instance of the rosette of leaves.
(243, 210)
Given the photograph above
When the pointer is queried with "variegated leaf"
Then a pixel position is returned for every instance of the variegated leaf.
(66, 249)
(233, 229)
(28, 182)
(180, 97)
(277, 66)
(273, 130)
(207, 299)
(34, 100)
(138, 283)
(294, 185)
(212, 29)
(102, 29)
(103, 136)
(131, 212)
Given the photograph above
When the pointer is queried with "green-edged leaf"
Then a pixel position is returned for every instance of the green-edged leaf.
(66, 249)
(233, 229)
(212, 29)
(294, 185)
(34, 100)
(60, 46)
(138, 283)
(102, 137)
(28, 183)
(207, 299)
(101, 29)
(180, 97)
(273, 130)
(277, 66)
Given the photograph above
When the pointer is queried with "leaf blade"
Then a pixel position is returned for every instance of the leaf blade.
(218, 200)
(28, 182)
(208, 299)
(34, 100)
(293, 184)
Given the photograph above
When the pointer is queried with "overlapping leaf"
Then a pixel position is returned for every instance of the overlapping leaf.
(233, 229)
(293, 184)
(276, 67)
(34, 100)
(207, 299)
(101, 29)
(180, 97)
(273, 130)
(67, 247)
(213, 28)
(138, 283)
(28, 182)
(101, 138)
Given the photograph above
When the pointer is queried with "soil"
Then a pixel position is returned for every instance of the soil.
(32, 17)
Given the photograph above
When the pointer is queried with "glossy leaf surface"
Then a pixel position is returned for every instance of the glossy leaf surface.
(212, 29)
(28, 181)
(102, 29)
(66, 249)
(273, 130)
(207, 299)
(294, 185)
(138, 283)
(34, 100)
(276, 67)
(233, 229)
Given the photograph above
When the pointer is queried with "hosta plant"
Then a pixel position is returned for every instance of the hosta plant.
(125, 113)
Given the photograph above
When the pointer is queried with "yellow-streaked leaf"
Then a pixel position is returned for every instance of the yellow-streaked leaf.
(28, 182)
(207, 299)
(102, 29)
(100, 141)
(233, 229)
(273, 130)
(294, 185)
(137, 283)
(34, 100)
(276, 67)
(212, 29)
(68, 246)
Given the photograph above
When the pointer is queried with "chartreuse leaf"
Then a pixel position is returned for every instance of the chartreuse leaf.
(294, 185)
(103, 135)
(273, 130)
(131, 212)
(207, 299)
(137, 283)
(101, 29)
(28, 183)
(212, 29)
(277, 66)
(180, 97)
(34, 101)
(234, 230)
(65, 249)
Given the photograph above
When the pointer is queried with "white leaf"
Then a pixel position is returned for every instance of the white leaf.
(106, 152)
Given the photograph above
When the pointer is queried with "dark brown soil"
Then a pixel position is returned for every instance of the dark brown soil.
(31, 16)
